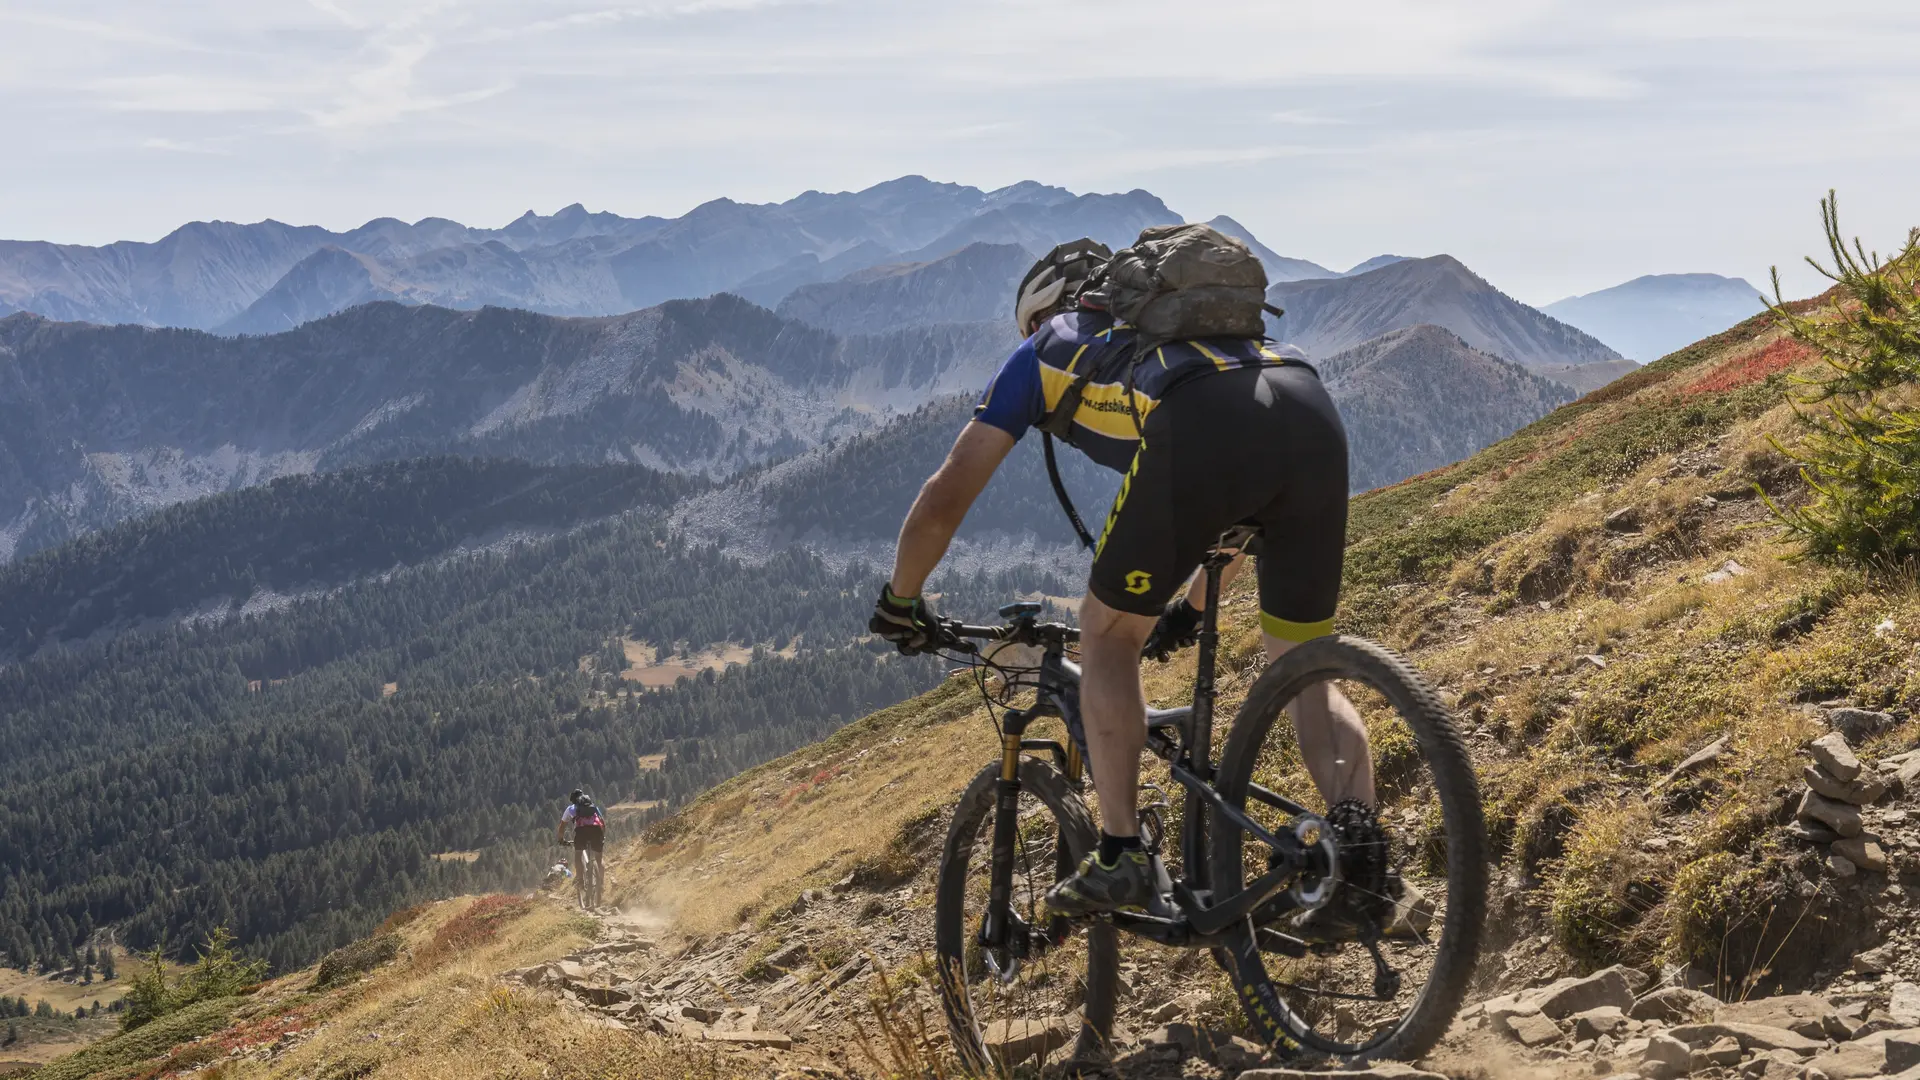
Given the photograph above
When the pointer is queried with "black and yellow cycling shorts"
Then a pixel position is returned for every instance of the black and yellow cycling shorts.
(1258, 445)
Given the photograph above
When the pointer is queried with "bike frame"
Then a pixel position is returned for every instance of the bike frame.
(1181, 737)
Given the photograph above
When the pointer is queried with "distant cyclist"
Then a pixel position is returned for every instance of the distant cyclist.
(589, 828)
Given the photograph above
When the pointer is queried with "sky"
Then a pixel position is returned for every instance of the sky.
(1555, 147)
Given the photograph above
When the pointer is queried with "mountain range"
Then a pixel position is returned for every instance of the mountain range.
(1651, 316)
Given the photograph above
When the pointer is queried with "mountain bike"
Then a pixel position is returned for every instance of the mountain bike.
(1254, 866)
(587, 884)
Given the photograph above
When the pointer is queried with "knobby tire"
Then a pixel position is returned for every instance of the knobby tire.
(1321, 660)
(953, 929)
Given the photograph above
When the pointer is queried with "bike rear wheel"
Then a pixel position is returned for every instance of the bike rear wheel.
(1429, 807)
(1055, 831)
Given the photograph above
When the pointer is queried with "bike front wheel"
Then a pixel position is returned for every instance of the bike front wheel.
(1029, 980)
(1426, 918)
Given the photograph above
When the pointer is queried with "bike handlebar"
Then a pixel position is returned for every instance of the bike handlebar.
(1021, 631)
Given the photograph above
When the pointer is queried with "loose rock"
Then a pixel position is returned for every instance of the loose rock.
(1835, 756)
(1859, 791)
(1841, 866)
(1750, 1037)
(1534, 1029)
(1724, 1051)
(1862, 851)
(1664, 1050)
(1593, 1023)
(1802, 1014)
(1842, 818)
(1859, 725)
(1568, 996)
(1674, 1004)
(1701, 759)
(1904, 1004)
(1014, 1041)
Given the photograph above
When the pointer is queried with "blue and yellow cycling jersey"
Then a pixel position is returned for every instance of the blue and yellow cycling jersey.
(1033, 379)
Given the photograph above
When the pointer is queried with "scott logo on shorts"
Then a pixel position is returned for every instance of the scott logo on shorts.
(1139, 581)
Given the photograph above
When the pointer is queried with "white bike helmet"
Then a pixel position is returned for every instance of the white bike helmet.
(1055, 280)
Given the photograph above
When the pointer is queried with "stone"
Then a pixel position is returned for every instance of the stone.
(1859, 791)
(1862, 851)
(1841, 867)
(1533, 1029)
(1412, 915)
(604, 996)
(1750, 1037)
(1904, 1003)
(1877, 1021)
(1835, 756)
(1562, 999)
(1700, 759)
(1668, 1051)
(1724, 1051)
(1167, 1013)
(776, 1040)
(1674, 1005)
(1625, 519)
(699, 1014)
(1903, 1052)
(1605, 1020)
(567, 971)
(1803, 1014)
(1842, 818)
(1906, 778)
(1859, 725)
(1379, 1070)
(1873, 961)
(1811, 831)
(1012, 1042)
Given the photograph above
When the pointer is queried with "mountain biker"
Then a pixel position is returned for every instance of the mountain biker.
(1229, 430)
(589, 828)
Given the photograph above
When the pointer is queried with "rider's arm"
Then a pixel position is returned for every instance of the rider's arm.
(943, 504)
(560, 831)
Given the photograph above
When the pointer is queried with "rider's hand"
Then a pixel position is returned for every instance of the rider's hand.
(1179, 627)
(908, 623)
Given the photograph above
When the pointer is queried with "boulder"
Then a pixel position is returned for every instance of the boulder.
(1859, 791)
(1012, 1042)
(1863, 851)
(1811, 831)
(1877, 1021)
(1749, 1036)
(1626, 519)
(1903, 1051)
(1593, 1023)
(1859, 725)
(1803, 1014)
(1842, 818)
(1700, 759)
(1841, 866)
(1562, 999)
(1907, 777)
(1873, 961)
(1533, 1029)
(1835, 756)
(1866, 1056)
(1724, 1051)
(1904, 1003)
(1674, 1005)
(1664, 1050)
(603, 996)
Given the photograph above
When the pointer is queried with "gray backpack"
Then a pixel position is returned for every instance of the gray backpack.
(1183, 281)
(1176, 282)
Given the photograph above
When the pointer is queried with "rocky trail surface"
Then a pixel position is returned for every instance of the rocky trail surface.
(835, 984)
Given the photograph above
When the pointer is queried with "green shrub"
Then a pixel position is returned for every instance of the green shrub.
(356, 959)
(219, 973)
(152, 1040)
(1860, 450)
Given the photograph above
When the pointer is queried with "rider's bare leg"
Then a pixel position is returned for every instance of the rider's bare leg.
(1332, 738)
(1197, 588)
(1114, 709)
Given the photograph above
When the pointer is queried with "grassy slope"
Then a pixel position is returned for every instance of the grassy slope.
(1497, 576)
(435, 1011)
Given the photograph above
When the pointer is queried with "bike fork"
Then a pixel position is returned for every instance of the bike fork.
(998, 925)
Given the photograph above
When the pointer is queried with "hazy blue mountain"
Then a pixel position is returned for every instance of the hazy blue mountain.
(974, 284)
(1651, 316)
(255, 278)
(1279, 267)
(100, 423)
(1466, 400)
(1325, 317)
(1374, 263)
